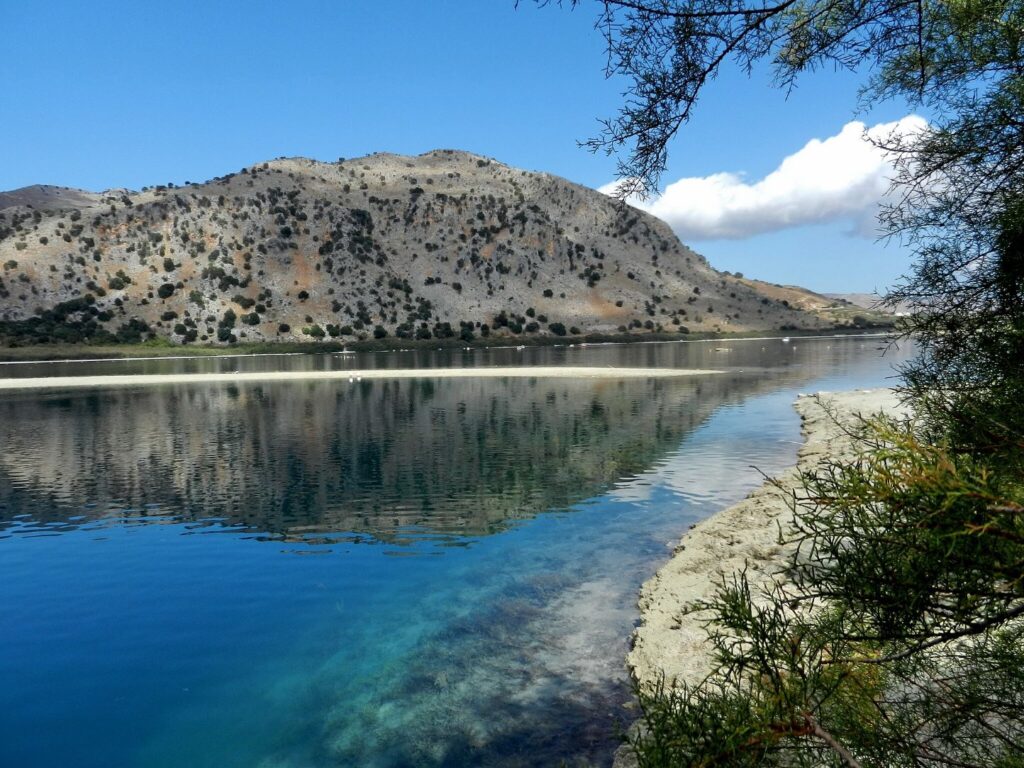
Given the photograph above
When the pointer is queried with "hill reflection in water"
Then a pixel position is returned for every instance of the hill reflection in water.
(389, 460)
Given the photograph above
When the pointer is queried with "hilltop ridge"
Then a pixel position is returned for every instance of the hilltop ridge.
(443, 244)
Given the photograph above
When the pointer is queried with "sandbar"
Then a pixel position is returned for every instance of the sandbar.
(259, 377)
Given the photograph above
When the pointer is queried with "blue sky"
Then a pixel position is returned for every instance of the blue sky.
(110, 94)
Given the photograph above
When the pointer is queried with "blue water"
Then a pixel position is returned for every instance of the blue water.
(438, 572)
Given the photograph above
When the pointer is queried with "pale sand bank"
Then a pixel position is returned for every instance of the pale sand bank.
(521, 372)
(669, 643)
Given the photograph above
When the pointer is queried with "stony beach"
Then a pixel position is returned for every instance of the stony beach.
(673, 644)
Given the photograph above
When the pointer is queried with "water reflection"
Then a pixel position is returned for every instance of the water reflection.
(385, 459)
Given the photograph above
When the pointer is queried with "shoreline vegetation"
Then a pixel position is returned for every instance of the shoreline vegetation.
(163, 349)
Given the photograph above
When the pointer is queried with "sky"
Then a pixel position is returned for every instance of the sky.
(100, 95)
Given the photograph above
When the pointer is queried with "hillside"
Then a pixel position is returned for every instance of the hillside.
(872, 301)
(439, 245)
(835, 308)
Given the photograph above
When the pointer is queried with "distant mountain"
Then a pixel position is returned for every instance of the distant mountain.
(443, 244)
(44, 197)
(837, 309)
(867, 301)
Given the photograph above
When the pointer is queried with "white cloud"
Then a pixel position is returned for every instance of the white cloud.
(842, 177)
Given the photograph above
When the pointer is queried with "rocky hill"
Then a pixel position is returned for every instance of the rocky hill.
(445, 244)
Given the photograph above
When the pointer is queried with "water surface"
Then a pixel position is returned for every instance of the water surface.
(382, 573)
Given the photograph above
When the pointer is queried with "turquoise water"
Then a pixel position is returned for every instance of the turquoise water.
(387, 573)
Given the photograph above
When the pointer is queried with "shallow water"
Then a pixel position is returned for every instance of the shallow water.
(383, 573)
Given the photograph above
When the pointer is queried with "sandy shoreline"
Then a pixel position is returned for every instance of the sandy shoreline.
(523, 372)
(746, 534)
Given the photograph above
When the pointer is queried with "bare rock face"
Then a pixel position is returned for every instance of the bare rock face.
(439, 245)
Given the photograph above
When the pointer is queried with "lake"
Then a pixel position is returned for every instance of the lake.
(416, 572)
